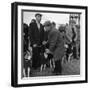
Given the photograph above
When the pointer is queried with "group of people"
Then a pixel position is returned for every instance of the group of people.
(43, 43)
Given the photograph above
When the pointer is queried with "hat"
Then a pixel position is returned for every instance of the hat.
(38, 14)
(47, 23)
(53, 23)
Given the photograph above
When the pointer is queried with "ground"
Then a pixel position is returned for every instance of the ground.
(68, 68)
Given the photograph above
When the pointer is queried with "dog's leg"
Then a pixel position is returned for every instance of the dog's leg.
(24, 74)
(63, 59)
(69, 58)
(51, 64)
(28, 71)
(41, 67)
(44, 66)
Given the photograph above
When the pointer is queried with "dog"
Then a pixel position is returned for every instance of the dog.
(68, 53)
(27, 63)
(46, 58)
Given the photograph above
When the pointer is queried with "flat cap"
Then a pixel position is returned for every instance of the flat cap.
(47, 23)
(38, 14)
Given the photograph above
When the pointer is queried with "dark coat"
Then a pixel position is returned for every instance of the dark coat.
(25, 34)
(36, 35)
(45, 36)
(56, 44)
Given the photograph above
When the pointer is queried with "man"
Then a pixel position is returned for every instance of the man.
(74, 38)
(56, 46)
(53, 25)
(71, 34)
(36, 39)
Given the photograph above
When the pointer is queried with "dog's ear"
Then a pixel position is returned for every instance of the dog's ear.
(50, 56)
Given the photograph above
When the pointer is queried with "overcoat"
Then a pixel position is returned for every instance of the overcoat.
(56, 44)
(36, 35)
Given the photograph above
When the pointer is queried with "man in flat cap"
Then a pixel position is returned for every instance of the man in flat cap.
(56, 46)
(36, 39)
(38, 14)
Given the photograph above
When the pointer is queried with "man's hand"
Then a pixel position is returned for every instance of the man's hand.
(47, 51)
(66, 46)
(35, 45)
(44, 42)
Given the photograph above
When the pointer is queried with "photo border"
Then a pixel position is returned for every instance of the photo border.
(14, 43)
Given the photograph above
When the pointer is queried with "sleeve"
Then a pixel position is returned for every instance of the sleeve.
(69, 34)
(31, 34)
(43, 33)
(67, 40)
(52, 41)
(75, 33)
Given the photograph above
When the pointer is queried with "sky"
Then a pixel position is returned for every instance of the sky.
(58, 18)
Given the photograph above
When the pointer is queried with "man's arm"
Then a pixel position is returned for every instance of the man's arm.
(52, 41)
(31, 33)
(75, 33)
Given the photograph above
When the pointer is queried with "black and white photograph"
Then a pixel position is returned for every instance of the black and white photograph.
(51, 44)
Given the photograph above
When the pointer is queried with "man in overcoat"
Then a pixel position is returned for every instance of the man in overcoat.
(56, 46)
(36, 30)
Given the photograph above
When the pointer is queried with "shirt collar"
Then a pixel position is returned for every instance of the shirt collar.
(37, 22)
